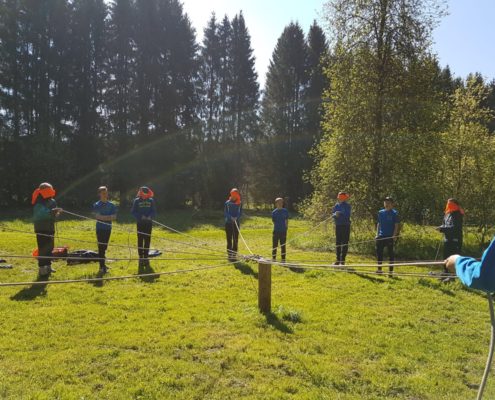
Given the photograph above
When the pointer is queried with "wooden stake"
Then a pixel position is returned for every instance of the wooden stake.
(265, 287)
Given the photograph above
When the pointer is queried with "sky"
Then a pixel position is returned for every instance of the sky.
(465, 39)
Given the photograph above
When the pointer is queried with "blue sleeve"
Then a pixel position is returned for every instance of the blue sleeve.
(134, 210)
(273, 215)
(226, 212)
(478, 274)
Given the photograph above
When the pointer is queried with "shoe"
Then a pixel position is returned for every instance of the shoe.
(44, 271)
(379, 271)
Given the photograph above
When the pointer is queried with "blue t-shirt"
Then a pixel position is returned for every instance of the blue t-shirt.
(387, 220)
(344, 217)
(279, 218)
(106, 209)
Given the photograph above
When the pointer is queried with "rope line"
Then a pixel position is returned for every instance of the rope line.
(142, 233)
(105, 258)
(114, 278)
(128, 246)
(242, 237)
(490, 351)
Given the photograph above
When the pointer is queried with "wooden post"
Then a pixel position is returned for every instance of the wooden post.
(265, 287)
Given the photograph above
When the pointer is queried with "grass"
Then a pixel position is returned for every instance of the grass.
(200, 335)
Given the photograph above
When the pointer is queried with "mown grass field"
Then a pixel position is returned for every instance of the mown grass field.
(200, 336)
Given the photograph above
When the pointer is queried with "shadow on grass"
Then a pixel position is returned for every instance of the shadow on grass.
(147, 269)
(31, 292)
(273, 320)
(377, 279)
(246, 269)
(437, 285)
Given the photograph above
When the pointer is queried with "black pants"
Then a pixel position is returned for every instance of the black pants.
(279, 237)
(342, 235)
(144, 237)
(381, 244)
(103, 237)
(451, 247)
(46, 242)
(232, 233)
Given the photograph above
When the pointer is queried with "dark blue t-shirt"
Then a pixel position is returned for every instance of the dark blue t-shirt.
(344, 217)
(279, 218)
(387, 220)
(106, 209)
(143, 208)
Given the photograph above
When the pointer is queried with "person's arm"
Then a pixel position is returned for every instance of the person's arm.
(447, 225)
(153, 209)
(377, 229)
(287, 221)
(134, 209)
(473, 273)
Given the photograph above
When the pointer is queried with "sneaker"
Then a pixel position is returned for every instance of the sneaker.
(45, 271)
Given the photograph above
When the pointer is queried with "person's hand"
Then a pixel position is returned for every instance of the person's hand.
(450, 263)
(58, 211)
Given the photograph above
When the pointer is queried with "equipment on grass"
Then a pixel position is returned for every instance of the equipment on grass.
(82, 257)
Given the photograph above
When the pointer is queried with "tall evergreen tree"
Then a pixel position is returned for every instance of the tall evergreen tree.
(284, 114)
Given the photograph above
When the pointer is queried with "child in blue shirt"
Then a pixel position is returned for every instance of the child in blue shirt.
(232, 212)
(143, 209)
(280, 218)
(341, 213)
(387, 232)
(105, 212)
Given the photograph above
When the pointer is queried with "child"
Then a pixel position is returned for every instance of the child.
(473, 273)
(341, 214)
(280, 218)
(105, 212)
(452, 228)
(144, 211)
(45, 211)
(387, 231)
(232, 213)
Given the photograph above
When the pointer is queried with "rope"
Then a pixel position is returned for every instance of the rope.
(128, 246)
(143, 233)
(365, 272)
(113, 278)
(412, 264)
(106, 258)
(490, 351)
(242, 237)
(181, 233)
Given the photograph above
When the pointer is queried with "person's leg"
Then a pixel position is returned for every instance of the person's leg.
(235, 239)
(148, 227)
(449, 249)
(283, 246)
(45, 241)
(229, 234)
(346, 234)
(338, 244)
(140, 240)
(274, 245)
(379, 253)
(391, 254)
(103, 237)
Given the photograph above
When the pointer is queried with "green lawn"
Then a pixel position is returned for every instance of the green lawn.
(200, 336)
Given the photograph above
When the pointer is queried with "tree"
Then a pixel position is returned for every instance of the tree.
(283, 117)
(380, 121)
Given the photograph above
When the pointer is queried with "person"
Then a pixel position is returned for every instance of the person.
(452, 229)
(341, 214)
(143, 209)
(105, 212)
(474, 273)
(232, 214)
(387, 233)
(45, 211)
(280, 218)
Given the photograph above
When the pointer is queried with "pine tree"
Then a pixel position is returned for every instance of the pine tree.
(284, 114)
